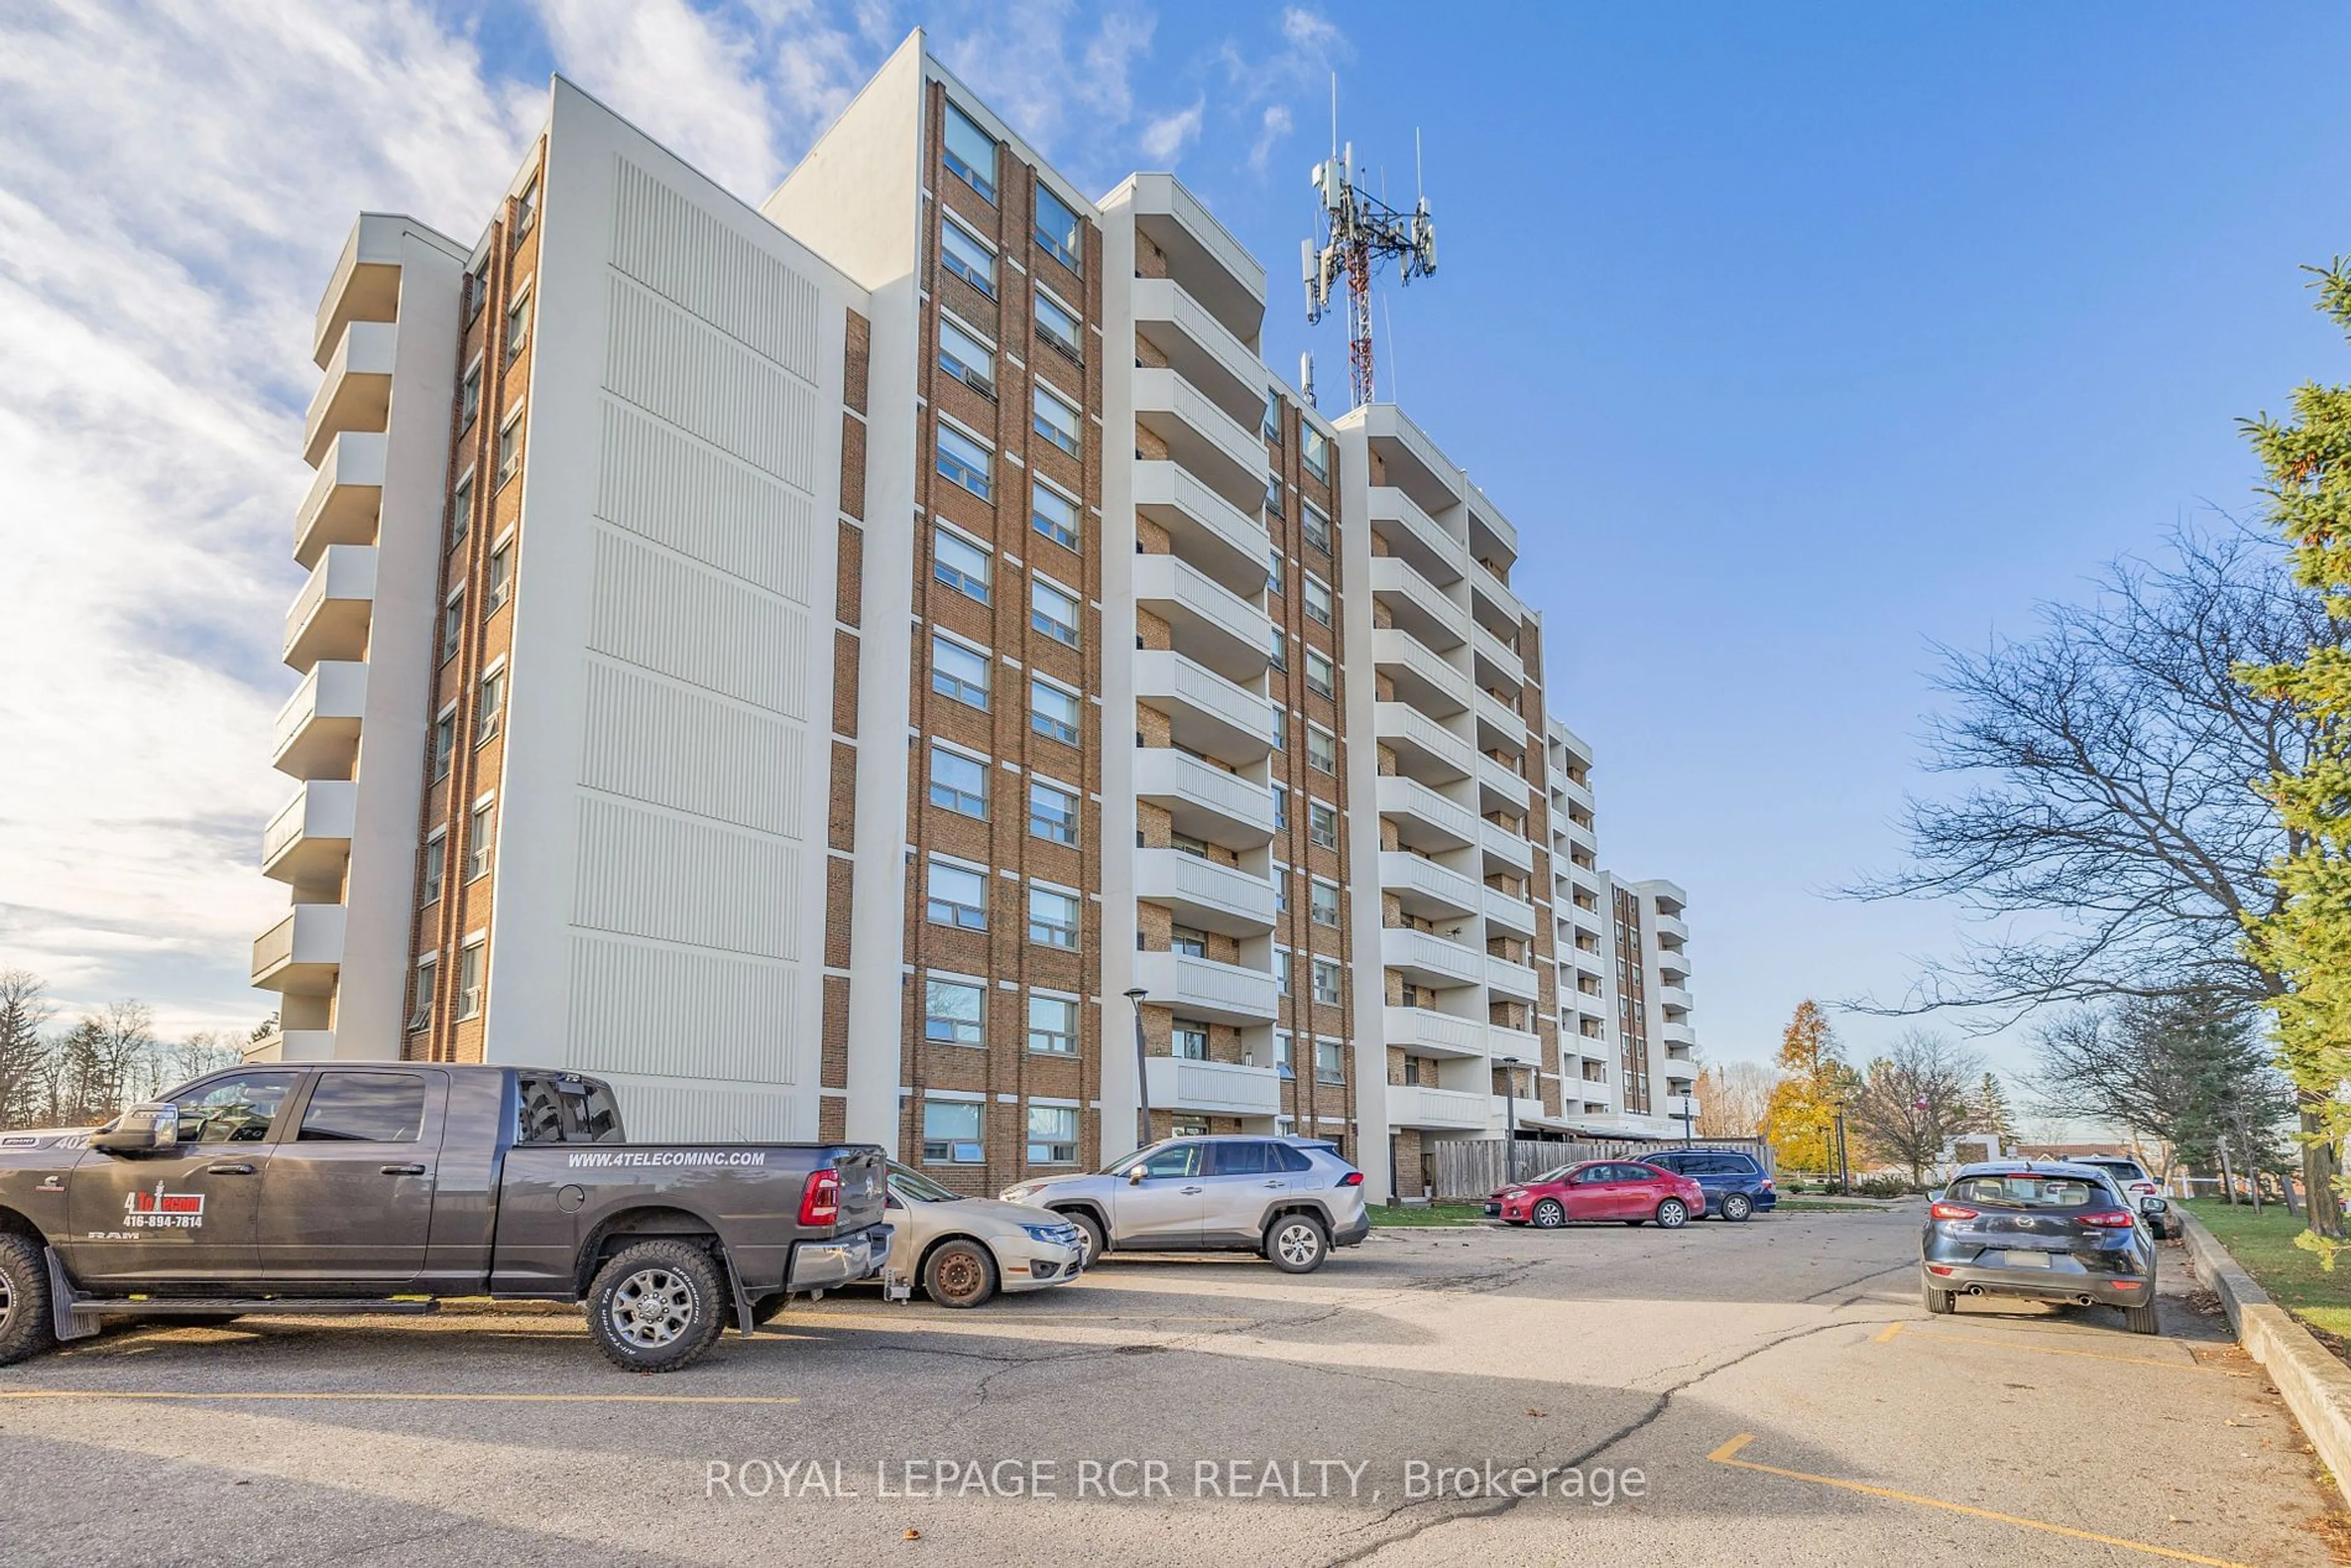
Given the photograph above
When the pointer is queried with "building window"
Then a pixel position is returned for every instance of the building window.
(469, 980)
(492, 705)
(1058, 327)
(965, 461)
(1053, 515)
(477, 290)
(1281, 894)
(453, 622)
(469, 400)
(461, 510)
(1322, 901)
(1052, 813)
(951, 1132)
(958, 783)
(1280, 808)
(958, 672)
(518, 326)
(1057, 422)
(1190, 1041)
(1053, 917)
(527, 209)
(970, 151)
(1318, 602)
(481, 834)
(1052, 1134)
(1190, 942)
(444, 745)
(1277, 649)
(1329, 1063)
(436, 863)
(1060, 230)
(510, 446)
(1315, 526)
(957, 897)
(1323, 824)
(1274, 569)
(1319, 678)
(501, 569)
(1273, 421)
(1053, 1025)
(1273, 495)
(960, 564)
(420, 992)
(1281, 729)
(1281, 971)
(954, 1011)
(967, 358)
(1052, 612)
(1321, 749)
(961, 252)
(1052, 712)
(1317, 453)
(1281, 1057)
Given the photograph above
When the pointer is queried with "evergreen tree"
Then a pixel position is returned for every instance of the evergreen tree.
(1987, 1110)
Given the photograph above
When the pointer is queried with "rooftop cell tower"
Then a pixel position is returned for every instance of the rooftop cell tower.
(1358, 231)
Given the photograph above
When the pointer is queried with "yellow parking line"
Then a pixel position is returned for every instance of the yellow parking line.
(192, 1395)
(1889, 1332)
(1728, 1455)
(2055, 1350)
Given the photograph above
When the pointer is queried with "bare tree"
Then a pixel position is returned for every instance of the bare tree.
(2110, 841)
(1916, 1098)
(25, 1010)
(1732, 1097)
(207, 1050)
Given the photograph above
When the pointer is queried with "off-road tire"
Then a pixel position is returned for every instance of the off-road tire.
(1092, 1242)
(1549, 1214)
(1296, 1243)
(657, 1305)
(26, 1330)
(1672, 1214)
(2141, 1320)
(959, 1274)
(1737, 1207)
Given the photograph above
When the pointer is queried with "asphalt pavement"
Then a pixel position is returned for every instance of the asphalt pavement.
(1738, 1395)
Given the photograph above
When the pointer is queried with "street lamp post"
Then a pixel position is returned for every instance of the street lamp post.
(1688, 1117)
(1142, 1078)
(1510, 1101)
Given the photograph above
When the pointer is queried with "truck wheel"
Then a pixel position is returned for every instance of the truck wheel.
(25, 1327)
(1737, 1206)
(656, 1306)
(1296, 1244)
(959, 1274)
(1091, 1244)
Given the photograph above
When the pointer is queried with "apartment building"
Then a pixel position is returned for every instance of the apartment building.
(896, 664)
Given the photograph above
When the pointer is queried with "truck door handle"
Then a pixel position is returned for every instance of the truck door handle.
(229, 1170)
(1191, 1189)
(404, 1170)
(1273, 1184)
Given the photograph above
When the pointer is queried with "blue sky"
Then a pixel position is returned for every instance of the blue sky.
(1789, 337)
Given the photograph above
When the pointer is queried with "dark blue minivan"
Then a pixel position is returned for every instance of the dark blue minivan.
(1734, 1181)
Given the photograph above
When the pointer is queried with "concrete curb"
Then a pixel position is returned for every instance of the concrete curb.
(2315, 1384)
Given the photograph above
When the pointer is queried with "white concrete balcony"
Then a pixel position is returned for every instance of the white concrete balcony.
(1425, 1032)
(1496, 663)
(1227, 456)
(1506, 978)
(1515, 916)
(1218, 1088)
(1413, 461)
(1491, 535)
(1425, 888)
(1206, 989)
(1422, 675)
(1209, 714)
(1672, 998)
(1199, 347)
(1417, 606)
(1587, 962)
(1427, 959)
(1205, 894)
(1416, 537)
(1577, 794)
(1500, 789)
(1508, 848)
(302, 953)
(1504, 1043)
(357, 392)
(1425, 819)
(1208, 623)
(1209, 531)
(1671, 926)
(1492, 601)
(329, 616)
(317, 731)
(1677, 1069)
(1672, 962)
(293, 1045)
(1500, 727)
(1425, 750)
(1678, 1034)
(1206, 802)
(310, 837)
(366, 282)
(1439, 1109)
(1579, 834)
(1202, 255)
(345, 498)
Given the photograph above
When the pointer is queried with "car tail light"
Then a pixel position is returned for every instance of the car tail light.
(1767, 1184)
(1936, 1269)
(820, 1198)
(1352, 1178)
(2108, 1219)
(1951, 1211)
(2123, 1284)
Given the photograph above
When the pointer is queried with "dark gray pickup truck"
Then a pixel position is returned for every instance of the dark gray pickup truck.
(350, 1187)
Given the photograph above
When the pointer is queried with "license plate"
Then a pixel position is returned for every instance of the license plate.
(1493, 1208)
(2026, 1260)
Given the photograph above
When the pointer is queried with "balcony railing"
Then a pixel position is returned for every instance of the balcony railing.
(1427, 889)
(356, 392)
(1209, 531)
(1210, 624)
(1217, 1088)
(345, 498)
(1199, 346)
(1204, 893)
(1427, 959)
(1200, 435)
(1426, 820)
(1422, 676)
(1206, 802)
(1208, 713)
(330, 616)
(317, 731)
(1425, 749)
(1430, 1033)
(1416, 537)
(1415, 1105)
(1206, 989)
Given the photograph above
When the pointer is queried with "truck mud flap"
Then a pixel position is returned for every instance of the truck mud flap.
(64, 1321)
(745, 1324)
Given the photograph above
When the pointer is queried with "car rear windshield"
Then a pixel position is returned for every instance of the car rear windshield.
(2026, 1191)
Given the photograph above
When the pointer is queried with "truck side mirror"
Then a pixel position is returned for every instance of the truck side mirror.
(1134, 1177)
(145, 1126)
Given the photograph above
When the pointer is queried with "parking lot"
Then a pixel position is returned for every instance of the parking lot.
(1766, 1393)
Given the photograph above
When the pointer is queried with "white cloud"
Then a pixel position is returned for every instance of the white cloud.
(1272, 126)
(1311, 48)
(686, 78)
(1164, 139)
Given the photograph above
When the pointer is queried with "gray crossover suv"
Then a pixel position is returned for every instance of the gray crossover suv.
(1292, 1199)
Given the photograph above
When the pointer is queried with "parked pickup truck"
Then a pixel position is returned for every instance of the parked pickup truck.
(342, 1187)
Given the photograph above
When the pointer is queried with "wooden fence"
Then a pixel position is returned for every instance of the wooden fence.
(1467, 1169)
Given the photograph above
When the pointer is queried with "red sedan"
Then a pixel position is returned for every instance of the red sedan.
(1600, 1190)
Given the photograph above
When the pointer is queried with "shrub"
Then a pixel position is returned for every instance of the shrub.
(1883, 1186)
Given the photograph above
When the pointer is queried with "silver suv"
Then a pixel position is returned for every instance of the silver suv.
(1291, 1199)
